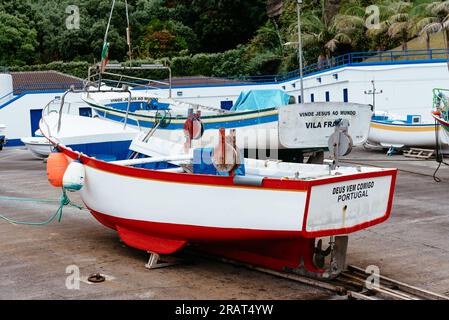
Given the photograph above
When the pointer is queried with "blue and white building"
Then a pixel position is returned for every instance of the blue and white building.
(403, 82)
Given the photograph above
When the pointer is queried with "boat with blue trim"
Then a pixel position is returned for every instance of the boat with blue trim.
(81, 133)
(263, 119)
(402, 131)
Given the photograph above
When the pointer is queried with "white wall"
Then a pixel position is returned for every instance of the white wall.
(407, 88)
(6, 87)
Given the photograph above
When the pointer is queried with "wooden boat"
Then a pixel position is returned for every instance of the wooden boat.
(266, 213)
(300, 127)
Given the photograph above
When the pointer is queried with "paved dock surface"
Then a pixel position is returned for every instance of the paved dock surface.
(412, 246)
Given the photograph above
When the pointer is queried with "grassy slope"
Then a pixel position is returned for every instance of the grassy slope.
(436, 41)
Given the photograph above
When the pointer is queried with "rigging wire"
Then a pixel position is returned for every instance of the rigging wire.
(109, 22)
(439, 157)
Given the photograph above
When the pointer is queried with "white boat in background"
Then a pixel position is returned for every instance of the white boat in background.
(83, 134)
(2, 136)
(39, 146)
(404, 131)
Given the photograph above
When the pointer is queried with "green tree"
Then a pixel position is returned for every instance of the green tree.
(326, 33)
(437, 20)
(17, 40)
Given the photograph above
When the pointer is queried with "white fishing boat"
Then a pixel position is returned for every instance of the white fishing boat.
(161, 196)
(39, 146)
(402, 131)
(79, 132)
(263, 119)
(2, 136)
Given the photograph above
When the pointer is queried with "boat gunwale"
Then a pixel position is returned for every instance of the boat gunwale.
(279, 184)
(441, 121)
(105, 108)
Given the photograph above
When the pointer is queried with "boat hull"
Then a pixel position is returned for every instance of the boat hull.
(39, 147)
(404, 135)
(444, 125)
(273, 225)
(305, 127)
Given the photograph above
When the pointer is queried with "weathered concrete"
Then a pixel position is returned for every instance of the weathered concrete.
(410, 246)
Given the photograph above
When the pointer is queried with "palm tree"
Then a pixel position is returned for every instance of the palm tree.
(401, 22)
(326, 32)
(436, 21)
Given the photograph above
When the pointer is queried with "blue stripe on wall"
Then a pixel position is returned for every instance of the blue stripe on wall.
(13, 143)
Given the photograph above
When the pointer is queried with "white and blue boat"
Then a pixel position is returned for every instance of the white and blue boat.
(264, 119)
(402, 131)
(81, 133)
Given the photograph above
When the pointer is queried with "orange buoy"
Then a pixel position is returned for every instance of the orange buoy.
(436, 112)
(57, 163)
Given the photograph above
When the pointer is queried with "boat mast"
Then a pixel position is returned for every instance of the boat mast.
(105, 49)
(128, 35)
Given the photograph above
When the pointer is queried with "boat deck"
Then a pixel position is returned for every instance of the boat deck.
(411, 246)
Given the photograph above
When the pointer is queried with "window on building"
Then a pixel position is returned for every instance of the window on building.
(312, 97)
(345, 95)
(328, 96)
(299, 99)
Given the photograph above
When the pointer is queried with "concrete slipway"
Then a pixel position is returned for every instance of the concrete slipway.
(412, 246)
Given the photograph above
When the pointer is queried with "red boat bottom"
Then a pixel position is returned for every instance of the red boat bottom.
(148, 243)
(283, 255)
(282, 251)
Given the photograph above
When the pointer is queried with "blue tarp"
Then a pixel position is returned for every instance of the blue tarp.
(260, 99)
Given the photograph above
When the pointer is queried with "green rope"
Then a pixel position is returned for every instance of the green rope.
(63, 201)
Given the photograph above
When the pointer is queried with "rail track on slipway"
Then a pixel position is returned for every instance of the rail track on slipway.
(351, 284)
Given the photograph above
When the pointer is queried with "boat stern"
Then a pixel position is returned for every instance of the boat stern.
(339, 205)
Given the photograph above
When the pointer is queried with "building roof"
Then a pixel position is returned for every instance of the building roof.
(32, 81)
(43, 81)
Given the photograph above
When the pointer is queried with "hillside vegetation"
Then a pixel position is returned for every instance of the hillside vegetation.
(212, 37)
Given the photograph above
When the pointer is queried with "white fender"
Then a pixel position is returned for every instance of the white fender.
(73, 179)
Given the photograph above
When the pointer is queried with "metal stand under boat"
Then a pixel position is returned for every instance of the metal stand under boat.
(337, 251)
(155, 262)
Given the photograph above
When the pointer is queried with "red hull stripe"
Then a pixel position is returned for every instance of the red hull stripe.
(440, 120)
